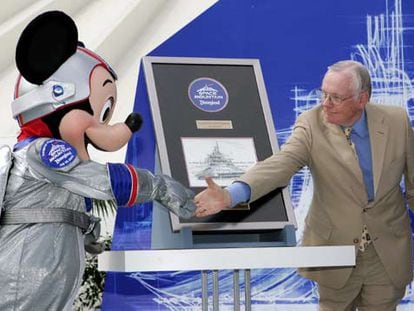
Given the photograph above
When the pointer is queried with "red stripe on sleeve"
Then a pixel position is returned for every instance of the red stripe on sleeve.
(134, 185)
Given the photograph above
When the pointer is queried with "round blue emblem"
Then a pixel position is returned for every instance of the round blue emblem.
(57, 90)
(208, 94)
(57, 153)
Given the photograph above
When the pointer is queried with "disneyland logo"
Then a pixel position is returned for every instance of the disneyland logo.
(57, 153)
(208, 94)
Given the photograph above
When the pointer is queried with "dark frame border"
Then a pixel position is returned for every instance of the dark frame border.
(178, 224)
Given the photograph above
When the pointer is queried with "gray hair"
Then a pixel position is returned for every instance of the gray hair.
(359, 73)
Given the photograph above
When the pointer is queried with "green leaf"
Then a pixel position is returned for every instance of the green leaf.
(103, 208)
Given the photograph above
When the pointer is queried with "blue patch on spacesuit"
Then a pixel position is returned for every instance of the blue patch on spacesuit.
(57, 153)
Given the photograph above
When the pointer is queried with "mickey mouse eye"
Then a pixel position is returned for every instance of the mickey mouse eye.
(106, 110)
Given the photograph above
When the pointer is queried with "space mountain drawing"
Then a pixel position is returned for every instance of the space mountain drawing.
(383, 54)
(218, 166)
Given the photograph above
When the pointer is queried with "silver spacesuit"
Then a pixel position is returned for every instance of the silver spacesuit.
(36, 258)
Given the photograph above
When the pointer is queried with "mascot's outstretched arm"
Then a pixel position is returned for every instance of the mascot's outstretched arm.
(55, 161)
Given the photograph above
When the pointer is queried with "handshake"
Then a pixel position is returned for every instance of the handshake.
(180, 200)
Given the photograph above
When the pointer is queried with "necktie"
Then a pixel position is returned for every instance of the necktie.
(348, 131)
(365, 237)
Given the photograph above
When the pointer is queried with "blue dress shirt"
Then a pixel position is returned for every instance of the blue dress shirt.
(239, 192)
(360, 137)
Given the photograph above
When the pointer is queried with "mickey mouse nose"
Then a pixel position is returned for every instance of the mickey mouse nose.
(134, 122)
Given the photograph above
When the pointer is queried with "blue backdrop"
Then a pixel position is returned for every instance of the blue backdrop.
(295, 41)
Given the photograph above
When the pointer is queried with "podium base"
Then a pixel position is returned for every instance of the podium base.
(162, 236)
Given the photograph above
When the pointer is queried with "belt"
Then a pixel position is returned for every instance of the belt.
(47, 215)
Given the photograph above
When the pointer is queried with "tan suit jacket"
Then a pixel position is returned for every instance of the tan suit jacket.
(339, 206)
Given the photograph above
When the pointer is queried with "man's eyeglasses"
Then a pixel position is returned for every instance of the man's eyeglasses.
(335, 99)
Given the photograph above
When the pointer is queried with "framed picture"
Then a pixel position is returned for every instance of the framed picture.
(212, 118)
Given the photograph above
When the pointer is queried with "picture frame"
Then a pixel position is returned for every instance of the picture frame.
(199, 102)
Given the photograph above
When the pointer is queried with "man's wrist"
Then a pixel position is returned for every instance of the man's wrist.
(228, 199)
(239, 193)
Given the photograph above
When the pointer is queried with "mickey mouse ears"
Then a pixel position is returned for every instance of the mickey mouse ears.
(45, 44)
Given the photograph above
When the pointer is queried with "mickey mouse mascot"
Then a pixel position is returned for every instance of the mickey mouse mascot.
(64, 98)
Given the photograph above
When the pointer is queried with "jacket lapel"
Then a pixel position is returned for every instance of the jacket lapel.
(378, 133)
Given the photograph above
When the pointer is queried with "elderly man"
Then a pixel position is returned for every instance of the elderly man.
(357, 153)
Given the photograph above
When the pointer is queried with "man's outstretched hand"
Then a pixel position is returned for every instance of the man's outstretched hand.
(211, 200)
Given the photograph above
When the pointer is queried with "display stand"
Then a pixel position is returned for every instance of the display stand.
(216, 245)
(210, 137)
